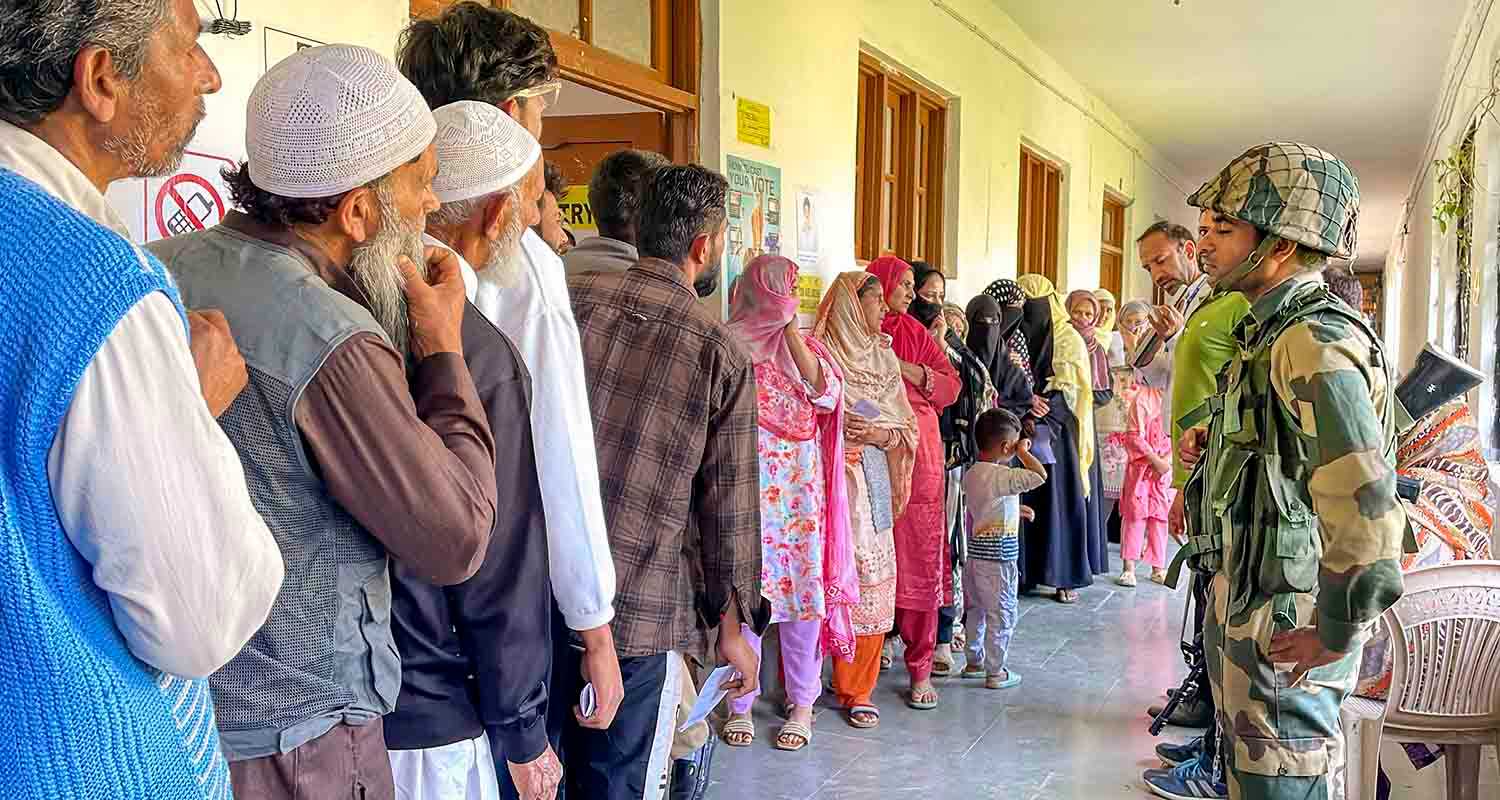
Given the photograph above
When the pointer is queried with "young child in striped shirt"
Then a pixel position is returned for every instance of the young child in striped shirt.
(994, 487)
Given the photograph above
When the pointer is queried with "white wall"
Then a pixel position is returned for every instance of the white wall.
(1421, 271)
(801, 59)
(241, 62)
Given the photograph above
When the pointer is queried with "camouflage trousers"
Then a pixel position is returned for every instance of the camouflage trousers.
(1282, 741)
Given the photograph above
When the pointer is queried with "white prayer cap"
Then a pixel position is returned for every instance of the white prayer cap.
(329, 119)
(480, 151)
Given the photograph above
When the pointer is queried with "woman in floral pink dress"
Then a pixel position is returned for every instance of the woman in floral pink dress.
(807, 557)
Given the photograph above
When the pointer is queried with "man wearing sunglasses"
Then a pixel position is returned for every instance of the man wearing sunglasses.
(474, 52)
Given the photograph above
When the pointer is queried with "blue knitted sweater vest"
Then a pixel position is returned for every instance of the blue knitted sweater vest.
(80, 717)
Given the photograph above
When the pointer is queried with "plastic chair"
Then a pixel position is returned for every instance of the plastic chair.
(1445, 685)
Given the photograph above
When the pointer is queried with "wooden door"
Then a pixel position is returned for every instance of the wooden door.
(577, 144)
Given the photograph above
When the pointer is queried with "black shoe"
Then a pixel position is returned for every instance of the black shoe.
(690, 775)
(1175, 755)
(1196, 714)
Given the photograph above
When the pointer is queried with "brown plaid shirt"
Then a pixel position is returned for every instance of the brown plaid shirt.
(673, 401)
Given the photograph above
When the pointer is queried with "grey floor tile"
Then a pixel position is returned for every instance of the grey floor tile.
(1074, 730)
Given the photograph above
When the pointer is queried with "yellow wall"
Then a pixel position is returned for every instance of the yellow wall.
(801, 58)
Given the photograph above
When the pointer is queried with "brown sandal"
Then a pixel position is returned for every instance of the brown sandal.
(738, 733)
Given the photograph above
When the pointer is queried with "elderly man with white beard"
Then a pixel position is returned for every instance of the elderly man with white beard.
(361, 432)
(476, 658)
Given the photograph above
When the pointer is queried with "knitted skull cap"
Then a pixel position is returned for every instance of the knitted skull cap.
(480, 151)
(330, 119)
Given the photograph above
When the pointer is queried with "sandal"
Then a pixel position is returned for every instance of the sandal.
(801, 734)
(738, 732)
(974, 672)
(942, 662)
(1126, 579)
(864, 717)
(1010, 681)
(887, 656)
(1159, 577)
(922, 701)
(1067, 596)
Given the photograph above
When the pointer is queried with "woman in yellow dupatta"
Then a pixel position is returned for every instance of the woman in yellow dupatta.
(1065, 546)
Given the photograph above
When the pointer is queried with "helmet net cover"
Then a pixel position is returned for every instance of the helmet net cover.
(1290, 190)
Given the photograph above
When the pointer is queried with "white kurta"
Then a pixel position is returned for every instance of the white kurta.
(147, 486)
(459, 771)
(534, 313)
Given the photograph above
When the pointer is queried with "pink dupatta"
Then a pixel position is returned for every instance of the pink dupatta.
(763, 303)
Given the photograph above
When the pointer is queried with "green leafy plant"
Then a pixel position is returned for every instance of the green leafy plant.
(1455, 187)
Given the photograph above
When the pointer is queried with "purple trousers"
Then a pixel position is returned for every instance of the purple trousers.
(801, 666)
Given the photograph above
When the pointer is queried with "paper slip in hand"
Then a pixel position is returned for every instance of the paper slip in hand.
(866, 409)
(710, 696)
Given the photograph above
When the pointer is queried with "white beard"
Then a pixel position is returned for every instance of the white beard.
(373, 268)
(503, 267)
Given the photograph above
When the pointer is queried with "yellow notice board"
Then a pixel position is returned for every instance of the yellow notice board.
(809, 293)
(753, 122)
(576, 213)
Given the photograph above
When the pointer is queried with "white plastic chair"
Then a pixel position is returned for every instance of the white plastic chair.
(1445, 686)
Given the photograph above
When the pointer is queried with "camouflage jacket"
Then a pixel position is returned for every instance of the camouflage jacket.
(1297, 491)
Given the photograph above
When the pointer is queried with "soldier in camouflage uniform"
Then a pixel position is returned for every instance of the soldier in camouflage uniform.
(1293, 503)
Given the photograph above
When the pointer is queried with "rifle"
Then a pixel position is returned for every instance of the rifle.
(1197, 662)
(1188, 691)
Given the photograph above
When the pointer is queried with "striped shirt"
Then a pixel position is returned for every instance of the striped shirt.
(994, 495)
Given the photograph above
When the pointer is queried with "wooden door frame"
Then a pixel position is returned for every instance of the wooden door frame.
(681, 55)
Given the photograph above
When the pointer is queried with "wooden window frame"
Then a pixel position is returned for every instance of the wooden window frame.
(670, 85)
(916, 110)
(1039, 221)
(1113, 210)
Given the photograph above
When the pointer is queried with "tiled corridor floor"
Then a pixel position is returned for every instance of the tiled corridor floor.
(1074, 730)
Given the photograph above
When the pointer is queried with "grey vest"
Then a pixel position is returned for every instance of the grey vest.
(325, 655)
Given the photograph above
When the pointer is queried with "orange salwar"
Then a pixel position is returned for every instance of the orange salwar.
(854, 683)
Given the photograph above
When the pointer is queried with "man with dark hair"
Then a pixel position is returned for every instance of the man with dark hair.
(1297, 462)
(615, 200)
(673, 400)
(133, 560)
(362, 430)
(474, 52)
(1346, 286)
(549, 205)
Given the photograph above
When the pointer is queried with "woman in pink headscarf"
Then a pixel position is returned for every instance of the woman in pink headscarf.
(924, 581)
(807, 558)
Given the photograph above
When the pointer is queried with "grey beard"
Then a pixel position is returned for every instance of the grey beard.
(503, 266)
(134, 147)
(373, 268)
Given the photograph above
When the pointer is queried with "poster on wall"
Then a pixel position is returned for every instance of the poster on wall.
(807, 208)
(279, 44)
(576, 214)
(754, 214)
(193, 198)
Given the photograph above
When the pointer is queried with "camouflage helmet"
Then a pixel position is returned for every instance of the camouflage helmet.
(1291, 190)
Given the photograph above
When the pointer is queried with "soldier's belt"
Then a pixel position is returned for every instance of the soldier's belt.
(1196, 545)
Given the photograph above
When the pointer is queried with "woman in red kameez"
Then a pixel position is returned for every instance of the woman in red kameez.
(923, 579)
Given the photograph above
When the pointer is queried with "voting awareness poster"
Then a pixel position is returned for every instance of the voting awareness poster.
(754, 214)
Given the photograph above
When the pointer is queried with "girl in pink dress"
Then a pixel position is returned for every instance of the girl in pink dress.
(1147, 494)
